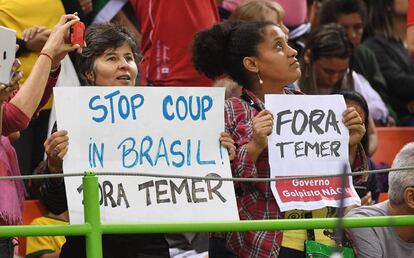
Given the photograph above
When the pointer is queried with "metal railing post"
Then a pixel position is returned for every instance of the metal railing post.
(92, 215)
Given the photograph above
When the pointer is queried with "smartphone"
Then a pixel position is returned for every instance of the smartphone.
(77, 34)
(7, 53)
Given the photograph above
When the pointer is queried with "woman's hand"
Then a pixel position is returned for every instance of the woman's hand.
(35, 38)
(262, 127)
(6, 90)
(355, 125)
(58, 43)
(56, 147)
(228, 143)
(367, 200)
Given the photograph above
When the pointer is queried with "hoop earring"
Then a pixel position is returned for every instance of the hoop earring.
(260, 79)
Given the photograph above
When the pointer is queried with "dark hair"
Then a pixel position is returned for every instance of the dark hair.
(51, 194)
(380, 18)
(360, 100)
(329, 41)
(99, 37)
(221, 49)
(330, 10)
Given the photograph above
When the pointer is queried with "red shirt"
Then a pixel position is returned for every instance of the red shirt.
(168, 28)
(410, 14)
(14, 119)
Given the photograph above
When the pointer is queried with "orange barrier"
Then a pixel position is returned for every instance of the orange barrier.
(31, 210)
(390, 141)
(382, 197)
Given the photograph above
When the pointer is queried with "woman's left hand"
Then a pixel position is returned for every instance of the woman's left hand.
(6, 90)
(355, 125)
(228, 143)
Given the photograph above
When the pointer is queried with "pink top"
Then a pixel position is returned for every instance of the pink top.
(295, 10)
(230, 5)
(12, 191)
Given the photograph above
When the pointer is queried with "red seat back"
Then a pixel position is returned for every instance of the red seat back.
(390, 141)
(31, 210)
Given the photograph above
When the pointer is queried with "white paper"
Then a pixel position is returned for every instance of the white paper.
(147, 130)
(309, 138)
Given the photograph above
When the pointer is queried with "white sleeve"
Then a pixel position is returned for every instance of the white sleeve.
(109, 10)
(376, 105)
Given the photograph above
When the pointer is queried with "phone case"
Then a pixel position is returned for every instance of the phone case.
(77, 34)
(7, 53)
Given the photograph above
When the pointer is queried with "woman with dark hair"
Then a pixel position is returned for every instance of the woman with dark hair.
(327, 63)
(255, 55)
(387, 39)
(352, 16)
(368, 191)
(108, 59)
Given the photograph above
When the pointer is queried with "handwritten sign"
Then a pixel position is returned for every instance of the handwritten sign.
(147, 130)
(309, 138)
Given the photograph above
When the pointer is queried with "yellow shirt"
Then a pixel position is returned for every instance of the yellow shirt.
(295, 239)
(22, 14)
(39, 245)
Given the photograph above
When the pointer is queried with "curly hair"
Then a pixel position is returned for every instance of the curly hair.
(221, 49)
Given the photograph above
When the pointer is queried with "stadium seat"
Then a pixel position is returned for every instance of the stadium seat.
(31, 210)
(390, 141)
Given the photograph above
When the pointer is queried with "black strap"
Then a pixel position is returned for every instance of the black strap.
(253, 104)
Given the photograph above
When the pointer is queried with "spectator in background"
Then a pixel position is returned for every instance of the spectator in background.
(351, 15)
(389, 241)
(167, 37)
(326, 66)
(54, 200)
(16, 115)
(387, 39)
(368, 192)
(108, 59)
(260, 10)
(255, 55)
(20, 15)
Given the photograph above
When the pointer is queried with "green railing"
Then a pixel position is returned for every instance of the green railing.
(93, 229)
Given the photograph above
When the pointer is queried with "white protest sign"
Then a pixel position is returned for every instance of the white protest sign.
(309, 138)
(149, 130)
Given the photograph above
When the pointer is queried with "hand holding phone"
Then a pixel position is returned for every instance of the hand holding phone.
(77, 34)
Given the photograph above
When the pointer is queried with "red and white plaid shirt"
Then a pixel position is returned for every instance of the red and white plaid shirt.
(255, 201)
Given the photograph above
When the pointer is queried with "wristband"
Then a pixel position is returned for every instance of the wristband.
(46, 54)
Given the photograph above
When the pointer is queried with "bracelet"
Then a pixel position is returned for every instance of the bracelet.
(46, 54)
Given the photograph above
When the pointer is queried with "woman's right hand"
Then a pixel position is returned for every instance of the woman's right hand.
(56, 147)
(262, 127)
(58, 43)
